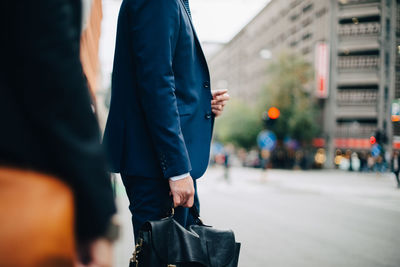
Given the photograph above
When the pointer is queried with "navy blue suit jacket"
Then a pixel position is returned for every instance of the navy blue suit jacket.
(160, 121)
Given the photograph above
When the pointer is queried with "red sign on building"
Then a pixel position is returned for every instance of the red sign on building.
(353, 143)
(322, 70)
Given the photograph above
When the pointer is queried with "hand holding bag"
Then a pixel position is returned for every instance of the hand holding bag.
(165, 243)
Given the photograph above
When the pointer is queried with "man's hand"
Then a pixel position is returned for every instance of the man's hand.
(97, 253)
(182, 192)
(220, 98)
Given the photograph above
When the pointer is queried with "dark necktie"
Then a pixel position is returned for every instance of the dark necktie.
(186, 2)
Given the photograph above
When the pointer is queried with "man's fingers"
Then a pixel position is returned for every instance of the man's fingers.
(220, 98)
(189, 202)
(219, 92)
(217, 107)
(224, 97)
(177, 200)
(219, 102)
(216, 112)
(182, 191)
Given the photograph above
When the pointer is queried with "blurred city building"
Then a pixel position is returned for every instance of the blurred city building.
(355, 48)
(211, 48)
(91, 30)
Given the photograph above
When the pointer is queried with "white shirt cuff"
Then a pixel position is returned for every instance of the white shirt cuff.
(179, 177)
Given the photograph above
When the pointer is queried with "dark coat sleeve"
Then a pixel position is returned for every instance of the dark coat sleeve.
(56, 101)
(154, 28)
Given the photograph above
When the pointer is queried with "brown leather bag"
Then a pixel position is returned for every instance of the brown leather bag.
(36, 220)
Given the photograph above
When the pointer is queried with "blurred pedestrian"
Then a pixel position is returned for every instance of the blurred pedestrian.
(52, 165)
(363, 162)
(265, 155)
(348, 159)
(370, 162)
(159, 128)
(338, 158)
(355, 162)
(395, 165)
(320, 158)
(298, 159)
(379, 164)
(229, 150)
(345, 162)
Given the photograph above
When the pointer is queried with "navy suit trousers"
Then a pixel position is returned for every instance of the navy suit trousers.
(150, 200)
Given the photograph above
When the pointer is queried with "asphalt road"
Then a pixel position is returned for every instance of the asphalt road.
(297, 219)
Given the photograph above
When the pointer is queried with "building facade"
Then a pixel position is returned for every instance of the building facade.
(362, 62)
(283, 25)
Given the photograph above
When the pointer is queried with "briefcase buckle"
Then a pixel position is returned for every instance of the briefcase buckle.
(138, 249)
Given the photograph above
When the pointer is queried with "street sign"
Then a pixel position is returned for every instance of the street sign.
(376, 150)
(322, 69)
(266, 140)
(396, 110)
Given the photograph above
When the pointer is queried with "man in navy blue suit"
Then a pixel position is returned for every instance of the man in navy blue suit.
(162, 110)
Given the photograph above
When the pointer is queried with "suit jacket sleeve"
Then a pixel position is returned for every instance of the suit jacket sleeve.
(56, 101)
(154, 26)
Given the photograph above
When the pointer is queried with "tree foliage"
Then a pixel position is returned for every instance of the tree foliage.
(240, 124)
(288, 89)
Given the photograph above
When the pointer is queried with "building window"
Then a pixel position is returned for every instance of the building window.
(361, 29)
(294, 17)
(388, 26)
(281, 37)
(295, 3)
(306, 50)
(306, 22)
(284, 12)
(358, 62)
(321, 12)
(306, 36)
(308, 7)
(397, 91)
(293, 43)
(359, 20)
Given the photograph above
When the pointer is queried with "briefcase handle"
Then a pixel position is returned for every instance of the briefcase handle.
(193, 211)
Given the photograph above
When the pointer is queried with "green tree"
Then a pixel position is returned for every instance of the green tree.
(288, 89)
(239, 124)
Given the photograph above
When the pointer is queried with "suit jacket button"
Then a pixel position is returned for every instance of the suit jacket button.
(206, 84)
(208, 116)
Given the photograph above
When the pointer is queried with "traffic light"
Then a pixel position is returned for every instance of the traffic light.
(273, 113)
(270, 116)
(372, 140)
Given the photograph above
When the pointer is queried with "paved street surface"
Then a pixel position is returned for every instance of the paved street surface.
(297, 219)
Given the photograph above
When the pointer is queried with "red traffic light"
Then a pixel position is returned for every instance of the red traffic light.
(273, 113)
(372, 140)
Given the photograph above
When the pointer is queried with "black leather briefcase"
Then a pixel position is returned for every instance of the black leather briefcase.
(165, 243)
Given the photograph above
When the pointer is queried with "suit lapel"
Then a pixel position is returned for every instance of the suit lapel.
(194, 33)
(190, 17)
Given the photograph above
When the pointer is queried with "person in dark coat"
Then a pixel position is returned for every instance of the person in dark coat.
(47, 124)
(395, 165)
